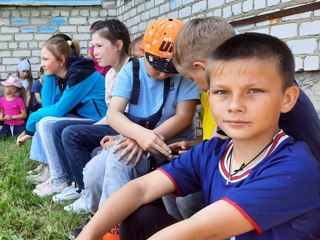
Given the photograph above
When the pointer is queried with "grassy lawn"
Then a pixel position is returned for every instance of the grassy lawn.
(24, 215)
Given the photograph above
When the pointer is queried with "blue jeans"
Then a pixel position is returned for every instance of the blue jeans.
(74, 142)
(36, 151)
(105, 174)
(47, 145)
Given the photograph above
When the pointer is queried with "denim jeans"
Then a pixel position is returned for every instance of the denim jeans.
(43, 148)
(36, 151)
(105, 174)
(74, 142)
(45, 128)
(57, 174)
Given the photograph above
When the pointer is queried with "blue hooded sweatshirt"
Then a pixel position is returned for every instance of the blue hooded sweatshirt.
(82, 92)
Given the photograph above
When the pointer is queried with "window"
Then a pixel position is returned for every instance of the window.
(50, 2)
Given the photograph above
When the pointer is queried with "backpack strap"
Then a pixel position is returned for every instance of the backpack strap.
(136, 81)
(136, 85)
(166, 88)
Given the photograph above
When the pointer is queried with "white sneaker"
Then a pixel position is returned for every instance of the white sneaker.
(69, 193)
(79, 207)
(41, 177)
(49, 188)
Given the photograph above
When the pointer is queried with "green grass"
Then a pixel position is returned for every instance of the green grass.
(22, 214)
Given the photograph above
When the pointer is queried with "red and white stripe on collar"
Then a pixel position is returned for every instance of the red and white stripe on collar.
(224, 163)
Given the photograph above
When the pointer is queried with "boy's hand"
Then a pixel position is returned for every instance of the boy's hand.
(153, 142)
(129, 146)
(180, 147)
(22, 138)
(107, 141)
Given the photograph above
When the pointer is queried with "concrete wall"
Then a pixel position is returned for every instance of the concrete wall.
(24, 29)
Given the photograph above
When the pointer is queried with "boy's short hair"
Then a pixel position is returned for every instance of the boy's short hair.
(158, 42)
(198, 38)
(259, 46)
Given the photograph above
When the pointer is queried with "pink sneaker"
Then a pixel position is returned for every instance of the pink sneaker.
(49, 188)
(41, 185)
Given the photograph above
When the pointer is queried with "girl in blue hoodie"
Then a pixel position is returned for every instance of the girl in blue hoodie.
(71, 87)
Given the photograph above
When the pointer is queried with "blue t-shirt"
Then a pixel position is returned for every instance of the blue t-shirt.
(151, 95)
(279, 195)
(36, 88)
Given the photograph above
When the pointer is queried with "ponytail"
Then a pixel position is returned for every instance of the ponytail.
(62, 44)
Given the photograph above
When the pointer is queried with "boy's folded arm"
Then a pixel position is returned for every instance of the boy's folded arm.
(147, 139)
(117, 120)
(182, 119)
(219, 220)
(125, 201)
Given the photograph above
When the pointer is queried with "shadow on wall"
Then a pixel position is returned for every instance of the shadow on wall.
(1, 90)
(309, 82)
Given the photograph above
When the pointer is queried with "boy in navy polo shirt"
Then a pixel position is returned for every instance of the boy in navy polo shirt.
(259, 183)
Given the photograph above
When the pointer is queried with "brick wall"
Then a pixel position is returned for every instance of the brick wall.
(300, 31)
(24, 29)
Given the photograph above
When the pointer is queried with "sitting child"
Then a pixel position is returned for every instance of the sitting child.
(102, 70)
(257, 184)
(161, 111)
(194, 43)
(25, 76)
(12, 108)
(79, 92)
